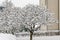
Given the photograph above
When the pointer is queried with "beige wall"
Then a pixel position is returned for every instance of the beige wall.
(42, 3)
(52, 5)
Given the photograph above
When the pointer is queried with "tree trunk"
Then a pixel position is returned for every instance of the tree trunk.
(31, 35)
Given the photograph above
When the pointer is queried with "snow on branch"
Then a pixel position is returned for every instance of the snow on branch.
(30, 17)
(36, 14)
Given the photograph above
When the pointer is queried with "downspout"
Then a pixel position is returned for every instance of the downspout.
(58, 16)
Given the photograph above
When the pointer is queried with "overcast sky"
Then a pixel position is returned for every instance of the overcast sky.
(22, 3)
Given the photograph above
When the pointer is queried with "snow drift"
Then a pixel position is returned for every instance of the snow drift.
(7, 37)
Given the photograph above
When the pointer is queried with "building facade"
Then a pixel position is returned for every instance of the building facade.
(53, 6)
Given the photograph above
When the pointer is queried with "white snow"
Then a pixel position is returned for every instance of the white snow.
(7, 37)
(40, 38)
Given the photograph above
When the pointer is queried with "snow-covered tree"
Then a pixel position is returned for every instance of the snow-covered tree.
(10, 18)
(30, 18)
(35, 16)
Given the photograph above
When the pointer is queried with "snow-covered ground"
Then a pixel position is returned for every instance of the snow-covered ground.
(12, 37)
(39, 38)
(7, 37)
